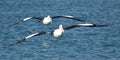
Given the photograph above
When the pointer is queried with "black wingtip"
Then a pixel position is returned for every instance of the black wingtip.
(15, 23)
(95, 25)
(24, 39)
(20, 41)
(78, 19)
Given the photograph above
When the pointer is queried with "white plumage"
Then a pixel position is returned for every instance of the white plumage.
(58, 32)
(27, 19)
(31, 35)
(85, 24)
(47, 20)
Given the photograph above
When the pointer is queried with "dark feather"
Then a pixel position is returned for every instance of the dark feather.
(24, 39)
(16, 23)
(38, 18)
(24, 21)
(77, 25)
(73, 18)
(70, 27)
(95, 25)
(20, 41)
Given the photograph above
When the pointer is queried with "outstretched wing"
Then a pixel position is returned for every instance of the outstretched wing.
(25, 19)
(29, 36)
(69, 17)
(84, 25)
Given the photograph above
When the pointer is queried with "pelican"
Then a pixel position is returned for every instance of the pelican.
(57, 32)
(46, 20)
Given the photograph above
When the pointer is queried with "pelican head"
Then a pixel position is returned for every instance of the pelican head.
(47, 20)
(61, 27)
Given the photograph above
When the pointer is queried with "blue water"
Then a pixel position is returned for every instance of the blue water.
(84, 43)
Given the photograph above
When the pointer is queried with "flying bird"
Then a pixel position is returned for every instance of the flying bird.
(57, 32)
(46, 20)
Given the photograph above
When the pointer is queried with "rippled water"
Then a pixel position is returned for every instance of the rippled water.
(83, 43)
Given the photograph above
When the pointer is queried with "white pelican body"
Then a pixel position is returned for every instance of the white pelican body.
(58, 32)
(47, 20)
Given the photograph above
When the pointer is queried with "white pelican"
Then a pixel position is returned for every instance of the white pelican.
(46, 20)
(58, 32)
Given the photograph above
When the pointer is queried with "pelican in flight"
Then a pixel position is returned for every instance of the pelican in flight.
(57, 32)
(46, 20)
